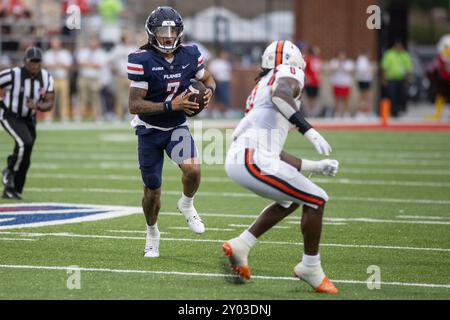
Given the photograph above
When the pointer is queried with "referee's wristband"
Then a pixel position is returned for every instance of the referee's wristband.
(167, 106)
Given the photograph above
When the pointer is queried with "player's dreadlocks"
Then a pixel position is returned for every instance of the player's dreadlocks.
(263, 72)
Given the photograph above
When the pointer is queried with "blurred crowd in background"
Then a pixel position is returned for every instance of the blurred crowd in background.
(89, 67)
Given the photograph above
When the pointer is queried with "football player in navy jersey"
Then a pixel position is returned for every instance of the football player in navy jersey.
(160, 73)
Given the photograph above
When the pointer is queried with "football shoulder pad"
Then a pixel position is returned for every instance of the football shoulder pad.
(192, 51)
(286, 71)
(138, 65)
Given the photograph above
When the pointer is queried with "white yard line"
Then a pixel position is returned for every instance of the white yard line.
(95, 236)
(422, 172)
(111, 177)
(133, 231)
(421, 217)
(392, 200)
(108, 149)
(211, 275)
(16, 239)
(111, 150)
(130, 156)
(364, 182)
(237, 195)
(343, 160)
(209, 229)
(133, 166)
(330, 220)
(381, 221)
(334, 223)
(77, 165)
(246, 226)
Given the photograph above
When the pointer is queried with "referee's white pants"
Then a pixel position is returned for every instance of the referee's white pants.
(268, 176)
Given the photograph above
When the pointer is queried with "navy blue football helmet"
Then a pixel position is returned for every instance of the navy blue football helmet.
(164, 28)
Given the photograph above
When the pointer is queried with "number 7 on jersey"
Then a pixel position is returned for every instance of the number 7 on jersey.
(171, 89)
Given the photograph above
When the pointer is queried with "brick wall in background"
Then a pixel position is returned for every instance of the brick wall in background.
(335, 25)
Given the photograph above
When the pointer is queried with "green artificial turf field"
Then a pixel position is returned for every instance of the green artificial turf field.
(389, 207)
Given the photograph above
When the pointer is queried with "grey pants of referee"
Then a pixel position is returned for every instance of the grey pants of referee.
(23, 131)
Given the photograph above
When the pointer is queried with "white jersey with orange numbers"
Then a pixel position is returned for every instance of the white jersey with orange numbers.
(253, 159)
(264, 126)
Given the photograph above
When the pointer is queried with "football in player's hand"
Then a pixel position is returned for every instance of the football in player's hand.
(199, 90)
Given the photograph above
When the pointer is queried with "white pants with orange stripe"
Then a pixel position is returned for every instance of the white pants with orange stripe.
(268, 176)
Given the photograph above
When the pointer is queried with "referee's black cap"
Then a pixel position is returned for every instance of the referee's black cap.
(33, 53)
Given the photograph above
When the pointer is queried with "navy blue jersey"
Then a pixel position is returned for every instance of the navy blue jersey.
(165, 80)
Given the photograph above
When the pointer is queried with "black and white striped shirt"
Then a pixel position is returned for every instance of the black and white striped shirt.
(18, 86)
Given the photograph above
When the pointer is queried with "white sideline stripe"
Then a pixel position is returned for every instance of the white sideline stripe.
(430, 172)
(234, 194)
(227, 180)
(73, 235)
(363, 160)
(126, 138)
(334, 223)
(209, 229)
(383, 182)
(421, 217)
(370, 199)
(131, 166)
(380, 221)
(17, 239)
(329, 220)
(246, 225)
(216, 275)
(221, 153)
(133, 231)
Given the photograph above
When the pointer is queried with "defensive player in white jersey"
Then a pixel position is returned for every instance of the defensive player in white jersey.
(256, 161)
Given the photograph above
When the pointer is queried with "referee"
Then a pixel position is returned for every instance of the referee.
(23, 91)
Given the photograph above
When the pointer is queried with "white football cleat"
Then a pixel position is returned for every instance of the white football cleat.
(193, 219)
(151, 249)
(315, 277)
(237, 252)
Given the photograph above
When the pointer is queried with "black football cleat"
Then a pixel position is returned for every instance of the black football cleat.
(8, 178)
(5, 174)
(11, 194)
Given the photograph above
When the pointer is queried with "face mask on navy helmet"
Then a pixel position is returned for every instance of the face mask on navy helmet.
(164, 28)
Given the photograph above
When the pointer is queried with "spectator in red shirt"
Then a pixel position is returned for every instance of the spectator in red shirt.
(341, 79)
(82, 4)
(312, 82)
(12, 7)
